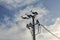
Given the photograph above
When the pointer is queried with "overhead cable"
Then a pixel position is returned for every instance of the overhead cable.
(50, 32)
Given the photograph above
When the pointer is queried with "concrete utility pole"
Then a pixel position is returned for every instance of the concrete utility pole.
(33, 28)
(32, 25)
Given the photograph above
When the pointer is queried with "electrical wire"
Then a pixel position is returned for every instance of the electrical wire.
(50, 32)
(39, 30)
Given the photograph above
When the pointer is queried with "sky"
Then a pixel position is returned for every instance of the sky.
(13, 27)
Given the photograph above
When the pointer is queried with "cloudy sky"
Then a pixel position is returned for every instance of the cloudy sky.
(12, 26)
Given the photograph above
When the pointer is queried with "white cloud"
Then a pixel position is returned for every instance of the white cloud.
(18, 3)
(17, 30)
(41, 11)
(55, 29)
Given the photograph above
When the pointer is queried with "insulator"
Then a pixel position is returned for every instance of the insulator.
(37, 21)
(35, 13)
(29, 16)
(24, 17)
(27, 26)
(38, 24)
(30, 24)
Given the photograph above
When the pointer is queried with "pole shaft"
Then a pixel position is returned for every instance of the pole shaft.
(33, 28)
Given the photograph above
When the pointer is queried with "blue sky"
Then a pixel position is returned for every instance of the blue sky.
(12, 27)
(52, 5)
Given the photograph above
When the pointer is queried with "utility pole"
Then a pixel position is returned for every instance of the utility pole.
(32, 25)
(33, 28)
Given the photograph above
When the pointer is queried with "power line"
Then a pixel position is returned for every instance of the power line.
(50, 32)
(32, 25)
